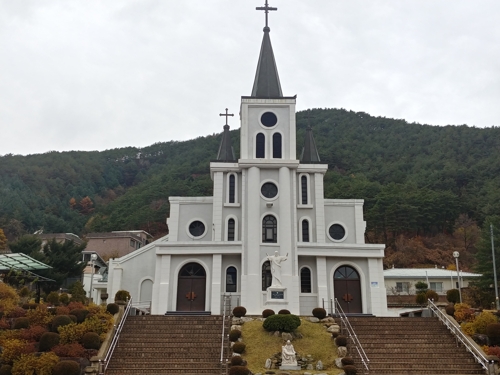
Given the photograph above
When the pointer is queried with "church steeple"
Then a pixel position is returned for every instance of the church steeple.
(309, 152)
(226, 153)
(267, 82)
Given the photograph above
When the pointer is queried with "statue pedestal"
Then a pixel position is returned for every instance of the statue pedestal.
(276, 295)
(290, 367)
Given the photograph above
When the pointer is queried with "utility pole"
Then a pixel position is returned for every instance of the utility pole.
(494, 267)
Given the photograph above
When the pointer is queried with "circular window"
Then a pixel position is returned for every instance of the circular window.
(268, 119)
(336, 232)
(196, 228)
(269, 190)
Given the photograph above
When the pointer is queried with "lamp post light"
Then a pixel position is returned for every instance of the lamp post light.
(494, 267)
(93, 258)
(456, 254)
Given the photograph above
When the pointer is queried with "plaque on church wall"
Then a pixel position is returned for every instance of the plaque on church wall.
(277, 295)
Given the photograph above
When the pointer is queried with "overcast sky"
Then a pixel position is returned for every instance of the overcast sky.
(101, 74)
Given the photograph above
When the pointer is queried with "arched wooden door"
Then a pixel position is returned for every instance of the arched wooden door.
(347, 289)
(191, 288)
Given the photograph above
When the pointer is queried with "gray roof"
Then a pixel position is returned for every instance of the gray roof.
(400, 273)
(309, 152)
(267, 82)
(226, 153)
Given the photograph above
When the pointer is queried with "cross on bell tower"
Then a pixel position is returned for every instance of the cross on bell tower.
(266, 8)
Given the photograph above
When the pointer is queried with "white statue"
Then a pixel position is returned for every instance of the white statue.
(288, 354)
(275, 261)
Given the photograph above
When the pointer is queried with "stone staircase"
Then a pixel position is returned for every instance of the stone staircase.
(411, 346)
(173, 345)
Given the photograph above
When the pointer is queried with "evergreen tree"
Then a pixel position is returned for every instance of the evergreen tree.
(3, 240)
(484, 255)
(29, 245)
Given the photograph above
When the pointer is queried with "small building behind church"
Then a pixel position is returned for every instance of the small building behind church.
(267, 237)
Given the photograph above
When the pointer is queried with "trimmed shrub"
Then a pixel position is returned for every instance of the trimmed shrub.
(450, 309)
(341, 341)
(239, 347)
(430, 294)
(60, 320)
(62, 310)
(33, 333)
(16, 312)
(453, 295)
(237, 361)
(239, 311)
(41, 316)
(239, 370)
(53, 298)
(35, 364)
(20, 323)
(482, 321)
(48, 340)
(421, 287)
(112, 308)
(234, 335)
(284, 312)
(335, 335)
(420, 298)
(73, 318)
(282, 323)
(6, 370)
(69, 350)
(493, 333)
(350, 370)
(64, 298)
(75, 305)
(91, 340)
(346, 361)
(319, 313)
(80, 314)
(492, 350)
(30, 306)
(12, 349)
(66, 368)
(468, 328)
(267, 313)
(463, 313)
(122, 295)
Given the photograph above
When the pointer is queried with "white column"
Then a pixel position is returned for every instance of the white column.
(322, 281)
(161, 288)
(116, 282)
(376, 293)
(217, 220)
(216, 291)
(319, 206)
(360, 224)
(173, 221)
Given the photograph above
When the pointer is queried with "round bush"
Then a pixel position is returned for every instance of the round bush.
(430, 294)
(284, 312)
(420, 298)
(91, 340)
(239, 347)
(319, 313)
(335, 335)
(66, 368)
(60, 320)
(112, 308)
(237, 361)
(20, 323)
(234, 335)
(267, 313)
(6, 370)
(64, 298)
(73, 318)
(239, 370)
(80, 314)
(450, 309)
(493, 333)
(453, 295)
(341, 341)
(48, 340)
(53, 298)
(282, 323)
(239, 311)
(346, 361)
(350, 370)
(122, 295)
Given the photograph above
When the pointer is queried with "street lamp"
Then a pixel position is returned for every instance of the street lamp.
(93, 258)
(494, 267)
(456, 254)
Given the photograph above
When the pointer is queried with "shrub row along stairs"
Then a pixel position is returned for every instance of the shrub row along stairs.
(411, 346)
(173, 345)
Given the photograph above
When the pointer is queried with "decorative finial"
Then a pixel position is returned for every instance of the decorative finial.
(226, 115)
(266, 8)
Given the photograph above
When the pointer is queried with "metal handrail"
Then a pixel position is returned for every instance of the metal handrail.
(487, 364)
(225, 308)
(352, 335)
(103, 366)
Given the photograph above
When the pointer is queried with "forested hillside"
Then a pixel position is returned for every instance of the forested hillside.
(427, 189)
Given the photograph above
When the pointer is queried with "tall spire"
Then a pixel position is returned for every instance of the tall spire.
(309, 152)
(267, 82)
(226, 153)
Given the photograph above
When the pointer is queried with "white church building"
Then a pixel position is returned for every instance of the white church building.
(267, 237)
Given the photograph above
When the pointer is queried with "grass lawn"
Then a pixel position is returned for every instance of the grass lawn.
(316, 342)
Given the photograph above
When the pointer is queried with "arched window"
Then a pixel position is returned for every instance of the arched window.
(305, 280)
(232, 188)
(260, 146)
(231, 229)
(305, 230)
(269, 229)
(277, 146)
(303, 189)
(231, 286)
(267, 277)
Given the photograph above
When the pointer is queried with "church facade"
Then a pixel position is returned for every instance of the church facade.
(267, 237)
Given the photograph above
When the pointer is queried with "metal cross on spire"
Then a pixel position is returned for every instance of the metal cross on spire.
(266, 8)
(226, 115)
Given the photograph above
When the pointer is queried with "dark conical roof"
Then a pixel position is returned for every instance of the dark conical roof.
(267, 82)
(309, 152)
(226, 153)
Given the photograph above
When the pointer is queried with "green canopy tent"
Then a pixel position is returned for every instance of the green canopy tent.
(23, 265)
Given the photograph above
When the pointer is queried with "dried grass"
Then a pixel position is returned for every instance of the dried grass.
(316, 342)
